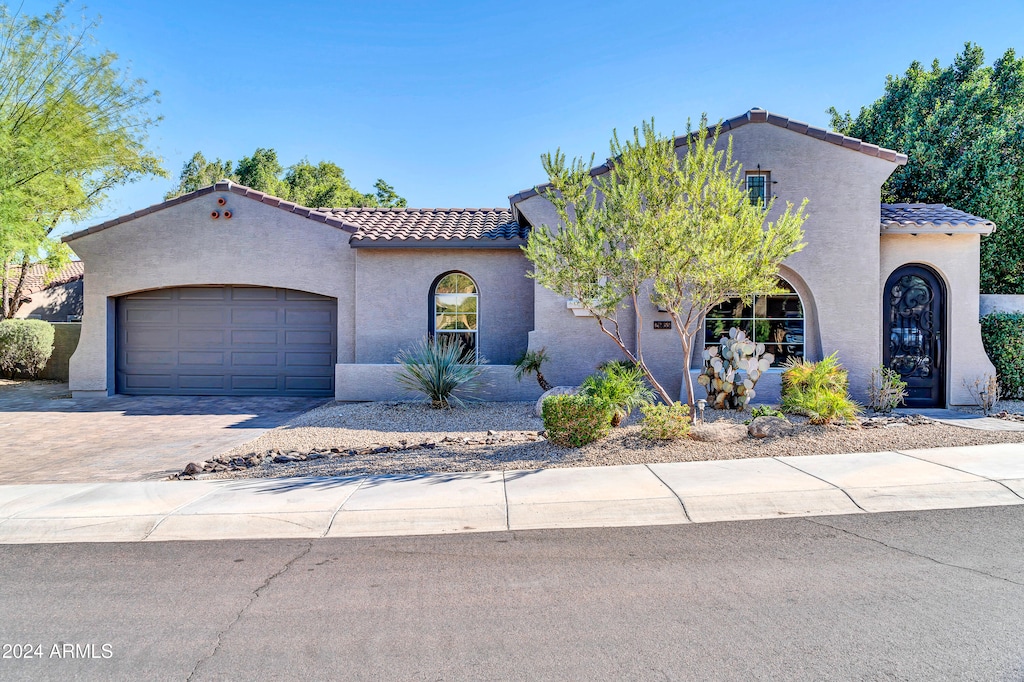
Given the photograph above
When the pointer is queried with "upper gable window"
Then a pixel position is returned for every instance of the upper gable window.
(757, 187)
(454, 311)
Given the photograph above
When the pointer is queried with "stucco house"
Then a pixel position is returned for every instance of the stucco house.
(230, 291)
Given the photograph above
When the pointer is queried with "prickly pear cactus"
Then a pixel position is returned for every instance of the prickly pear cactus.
(732, 370)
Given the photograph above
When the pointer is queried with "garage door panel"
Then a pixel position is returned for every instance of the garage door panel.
(312, 318)
(207, 316)
(254, 382)
(293, 337)
(293, 359)
(200, 338)
(308, 384)
(200, 293)
(254, 336)
(255, 316)
(150, 316)
(194, 357)
(150, 381)
(202, 381)
(226, 340)
(150, 357)
(254, 359)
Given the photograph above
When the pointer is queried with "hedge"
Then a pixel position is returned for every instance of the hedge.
(25, 346)
(572, 421)
(1003, 336)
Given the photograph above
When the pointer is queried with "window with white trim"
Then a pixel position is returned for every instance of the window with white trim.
(454, 311)
(777, 321)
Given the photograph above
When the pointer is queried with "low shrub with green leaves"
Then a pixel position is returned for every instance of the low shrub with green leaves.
(1003, 336)
(764, 411)
(25, 346)
(818, 390)
(665, 422)
(575, 420)
(622, 385)
(438, 368)
(887, 390)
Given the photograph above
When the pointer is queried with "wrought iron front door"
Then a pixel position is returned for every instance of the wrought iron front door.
(914, 313)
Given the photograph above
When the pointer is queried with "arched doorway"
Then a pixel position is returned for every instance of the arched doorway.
(914, 319)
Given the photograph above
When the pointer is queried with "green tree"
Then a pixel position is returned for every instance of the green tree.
(962, 127)
(318, 185)
(680, 231)
(198, 173)
(73, 125)
(323, 185)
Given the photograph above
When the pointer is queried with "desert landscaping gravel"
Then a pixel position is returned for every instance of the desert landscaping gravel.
(506, 436)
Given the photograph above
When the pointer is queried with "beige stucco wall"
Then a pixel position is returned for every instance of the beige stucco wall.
(835, 273)
(393, 310)
(54, 304)
(181, 245)
(956, 259)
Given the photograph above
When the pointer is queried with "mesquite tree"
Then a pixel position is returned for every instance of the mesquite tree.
(677, 228)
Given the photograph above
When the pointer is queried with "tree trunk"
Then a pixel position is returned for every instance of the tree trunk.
(3, 288)
(543, 382)
(12, 303)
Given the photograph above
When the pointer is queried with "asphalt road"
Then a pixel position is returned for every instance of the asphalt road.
(906, 596)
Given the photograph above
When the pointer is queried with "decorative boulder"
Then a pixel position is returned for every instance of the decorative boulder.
(718, 432)
(770, 427)
(557, 390)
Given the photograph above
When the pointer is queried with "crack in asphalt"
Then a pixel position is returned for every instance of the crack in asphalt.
(245, 607)
(913, 553)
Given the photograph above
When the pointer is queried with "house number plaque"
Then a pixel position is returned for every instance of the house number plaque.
(663, 324)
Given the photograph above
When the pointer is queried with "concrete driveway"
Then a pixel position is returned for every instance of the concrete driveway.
(48, 437)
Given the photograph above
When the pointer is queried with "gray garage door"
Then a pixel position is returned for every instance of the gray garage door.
(226, 340)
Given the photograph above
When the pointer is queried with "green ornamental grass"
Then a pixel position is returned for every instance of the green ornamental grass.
(436, 368)
(818, 390)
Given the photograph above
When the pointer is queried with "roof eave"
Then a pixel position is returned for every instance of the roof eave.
(437, 243)
(933, 228)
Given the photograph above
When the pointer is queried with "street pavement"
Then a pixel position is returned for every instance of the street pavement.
(637, 495)
(923, 595)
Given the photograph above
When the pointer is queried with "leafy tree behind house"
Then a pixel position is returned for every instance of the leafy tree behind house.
(962, 127)
(314, 185)
(655, 225)
(73, 125)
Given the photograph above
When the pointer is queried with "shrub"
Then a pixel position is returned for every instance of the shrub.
(574, 420)
(887, 390)
(764, 411)
(818, 390)
(985, 392)
(665, 422)
(436, 369)
(25, 346)
(530, 363)
(1003, 336)
(622, 386)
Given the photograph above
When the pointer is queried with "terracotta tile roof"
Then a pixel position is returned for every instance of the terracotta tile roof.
(903, 218)
(757, 115)
(222, 186)
(483, 227)
(35, 280)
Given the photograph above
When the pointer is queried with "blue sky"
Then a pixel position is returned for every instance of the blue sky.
(454, 102)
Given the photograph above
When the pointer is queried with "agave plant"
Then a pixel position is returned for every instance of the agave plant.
(530, 364)
(437, 368)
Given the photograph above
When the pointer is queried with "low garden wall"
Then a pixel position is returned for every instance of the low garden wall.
(1001, 303)
(1002, 331)
(65, 341)
(358, 382)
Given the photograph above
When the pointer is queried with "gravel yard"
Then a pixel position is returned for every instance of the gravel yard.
(494, 436)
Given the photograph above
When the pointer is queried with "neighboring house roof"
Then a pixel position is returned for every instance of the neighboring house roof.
(35, 278)
(222, 186)
(910, 218)
(427, 227)
(757, 115)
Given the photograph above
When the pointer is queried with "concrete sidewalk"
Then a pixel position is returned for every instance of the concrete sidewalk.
(689, 492)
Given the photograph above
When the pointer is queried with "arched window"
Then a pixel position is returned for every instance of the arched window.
(777, 321)
(453, 310)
